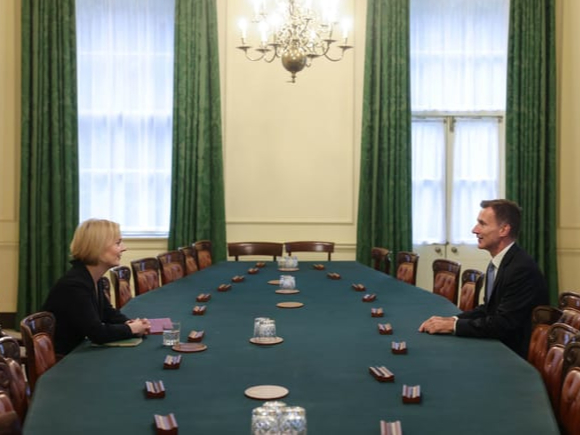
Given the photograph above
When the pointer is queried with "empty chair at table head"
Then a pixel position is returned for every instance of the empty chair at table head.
(310, 246)
(270, 249)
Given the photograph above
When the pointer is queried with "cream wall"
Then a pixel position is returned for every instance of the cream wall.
(568, 54)
(291, 151)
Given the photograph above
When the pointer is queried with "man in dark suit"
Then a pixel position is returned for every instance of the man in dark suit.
(514, 284)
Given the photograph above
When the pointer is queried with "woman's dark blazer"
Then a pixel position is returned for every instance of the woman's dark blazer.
(83, 311)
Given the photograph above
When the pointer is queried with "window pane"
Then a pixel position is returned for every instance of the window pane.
(458, 56)
(475, 173)
(125, 82)
(428, 181)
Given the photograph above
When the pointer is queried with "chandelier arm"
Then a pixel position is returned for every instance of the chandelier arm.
(343, 48)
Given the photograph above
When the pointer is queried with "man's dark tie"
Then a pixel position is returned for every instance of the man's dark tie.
(489, 277)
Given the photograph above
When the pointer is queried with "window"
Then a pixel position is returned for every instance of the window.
(125, 92)
(458, 88)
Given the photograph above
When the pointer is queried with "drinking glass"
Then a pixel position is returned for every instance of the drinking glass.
(257, 322)
(267, 329)
(171, 332)
(287, 282)
(293, 421)
(264, 421)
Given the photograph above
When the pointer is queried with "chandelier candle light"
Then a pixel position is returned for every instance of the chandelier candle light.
(295, 32)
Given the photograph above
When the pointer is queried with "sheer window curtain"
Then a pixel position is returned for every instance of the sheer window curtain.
(125, 87)
(458, 69)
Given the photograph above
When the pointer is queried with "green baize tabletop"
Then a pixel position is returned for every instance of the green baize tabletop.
(469, 386)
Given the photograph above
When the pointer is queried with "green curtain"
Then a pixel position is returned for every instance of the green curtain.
(197, 186)
(49, 166)
(531, 129)
(385, 205)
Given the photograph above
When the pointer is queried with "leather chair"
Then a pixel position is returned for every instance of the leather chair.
(543, 317)
(204, 253)
(9, 421)
(172, 265)
(239, 249)
(569, 300)
(121, 277)
(106, 285)
(190, 259)
(569, 412)
(407, 264)
(310, 246)
(38, 337)
(446, 278)
(571, 356)
(12, 378)
(559, 336)
(381, 259)
(145, 274)
(471, 285)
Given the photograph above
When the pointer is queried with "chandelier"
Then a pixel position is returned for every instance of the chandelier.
(295, 32)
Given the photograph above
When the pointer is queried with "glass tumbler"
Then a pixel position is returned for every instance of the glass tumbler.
(264, 421)
(257, 322)
(267, 329)
(293, 421)
(287, 282)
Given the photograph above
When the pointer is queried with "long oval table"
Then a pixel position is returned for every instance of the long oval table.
(469, 386)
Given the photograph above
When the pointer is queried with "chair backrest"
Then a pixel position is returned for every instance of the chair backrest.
(569, 415)
(310, 246)
(105, 284)
(13, 382)
(172, 264)
(407, 264)
(569, 300)
(190, 259)
(239, 249)
(121, 277)
(542, 317)
(145, 274)
(570, 316)
(571, 356)
(381, 259)
(559, 335)
(204, 253)
(10, 348)
(471, 284)
(446, 278)
(38, 337)
(9, 421)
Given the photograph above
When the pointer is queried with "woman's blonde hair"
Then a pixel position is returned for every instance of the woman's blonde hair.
(91, 238)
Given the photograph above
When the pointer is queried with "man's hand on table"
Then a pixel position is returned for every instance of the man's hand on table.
(438, 325)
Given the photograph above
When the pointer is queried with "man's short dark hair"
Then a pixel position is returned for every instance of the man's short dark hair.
(506, 212)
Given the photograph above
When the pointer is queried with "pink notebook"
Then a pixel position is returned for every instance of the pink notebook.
(158, 324)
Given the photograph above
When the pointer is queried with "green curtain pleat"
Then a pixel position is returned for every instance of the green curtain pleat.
(197, 187)
(385, 205)
(49, 157)
(531, 129)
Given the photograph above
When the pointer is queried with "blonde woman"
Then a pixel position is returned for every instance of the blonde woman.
(78, 302)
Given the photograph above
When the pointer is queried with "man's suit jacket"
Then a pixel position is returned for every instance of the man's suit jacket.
(81, 311)
(519, 286)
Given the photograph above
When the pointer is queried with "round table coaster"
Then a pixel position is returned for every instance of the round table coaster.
(284, 291)
(266, 392)
(289, 304)
(288, 269)
(189, 347)
(274, 282)
(266, 341)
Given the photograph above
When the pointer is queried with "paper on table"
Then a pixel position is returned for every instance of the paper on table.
(158, 324)
(128, 342)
